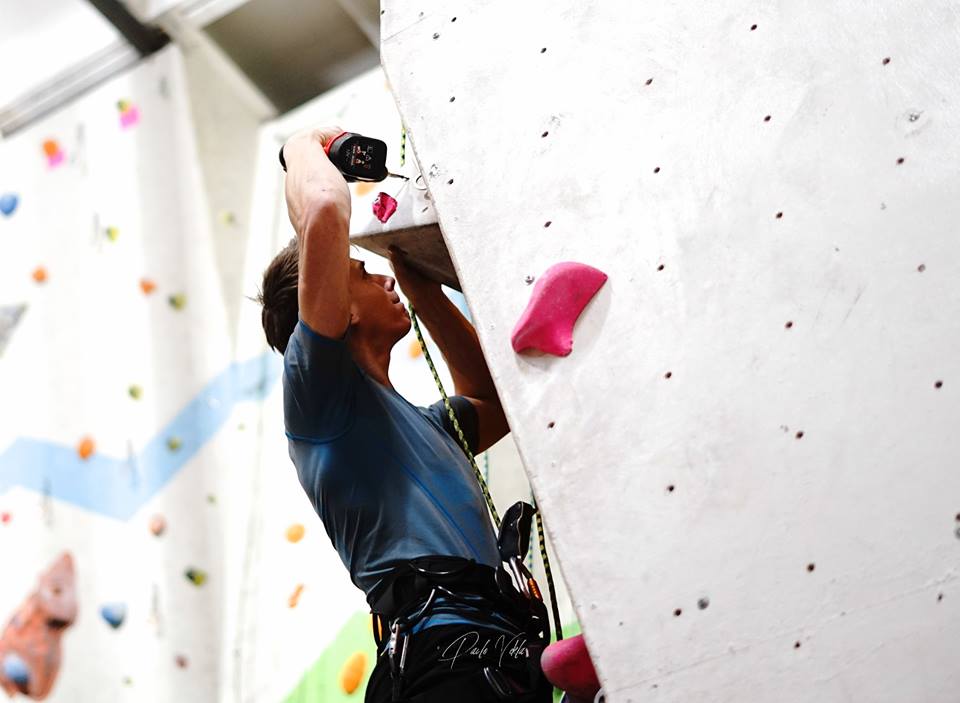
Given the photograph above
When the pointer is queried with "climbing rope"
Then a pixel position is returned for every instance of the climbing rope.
(403, 146)
(480, 477)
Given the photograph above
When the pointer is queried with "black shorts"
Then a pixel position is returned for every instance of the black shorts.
(445, 664)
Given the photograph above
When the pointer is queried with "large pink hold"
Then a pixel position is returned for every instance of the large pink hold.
(558, 298)
(384, 206)
(567, 665)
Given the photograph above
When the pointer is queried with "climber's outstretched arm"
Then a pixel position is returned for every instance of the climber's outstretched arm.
(460, 347)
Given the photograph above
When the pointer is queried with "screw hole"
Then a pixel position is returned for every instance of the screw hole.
(671, 488)
(656, 170)
(796, 645)
(677, 613)
(900, 160)
(545, 134)
(703, 603)
(779, 215)
(800, 434)
(436, 35)
(453, 98)
(921, 268)
(425, 209)
(753, 27)
(660, 267)
(543, 50)
(454, 19)
(958, 517)
(668, 374)
(886, 61)
(450, 182)
(767, 118)
(789, 324)
(548, 223)
(811, 566)
(550, 425)
(382, 12)
(649, 81)
(938, 384)
(939, 597)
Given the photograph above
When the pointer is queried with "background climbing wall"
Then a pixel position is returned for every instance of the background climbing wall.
(328, 602)
(748, 463)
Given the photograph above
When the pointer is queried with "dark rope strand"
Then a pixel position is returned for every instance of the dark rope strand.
(546, 569)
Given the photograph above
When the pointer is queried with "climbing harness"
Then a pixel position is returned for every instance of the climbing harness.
(483, 484)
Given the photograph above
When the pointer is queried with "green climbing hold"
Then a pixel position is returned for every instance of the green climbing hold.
(135, 392)
(196, 576)
(174, 443)
(177, 301)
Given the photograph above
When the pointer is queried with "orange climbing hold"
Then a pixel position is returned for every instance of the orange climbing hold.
(295, 532)
(362, 188)
(86, 448)
(147, 286)
(415, 349)
(40, 274)
(352, 672)
(295, 596)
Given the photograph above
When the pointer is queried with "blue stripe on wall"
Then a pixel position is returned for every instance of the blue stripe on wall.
(118, 487)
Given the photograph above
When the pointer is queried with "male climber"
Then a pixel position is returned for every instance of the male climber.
(392, 486)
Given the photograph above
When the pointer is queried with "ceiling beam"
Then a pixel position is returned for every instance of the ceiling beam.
(145, 39)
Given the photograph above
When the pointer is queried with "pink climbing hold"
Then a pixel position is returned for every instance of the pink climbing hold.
(558, 298)
(567, 665)
(384, 207)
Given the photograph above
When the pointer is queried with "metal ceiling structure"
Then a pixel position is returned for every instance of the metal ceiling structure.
(289, 50)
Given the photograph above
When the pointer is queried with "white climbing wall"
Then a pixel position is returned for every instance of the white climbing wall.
(759, 414)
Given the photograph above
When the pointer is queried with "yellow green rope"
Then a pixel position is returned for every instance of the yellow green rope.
(480, 477)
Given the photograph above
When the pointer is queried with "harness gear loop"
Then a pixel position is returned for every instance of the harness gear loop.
(480, 478)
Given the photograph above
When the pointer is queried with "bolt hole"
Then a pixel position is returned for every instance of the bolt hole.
(886, 61)
(800, 434)
(649, 81)
(958, 517)
(671, 488)
(545, 134)
(548, 223)
(677, 613)
(900, 160)
(703, 603)
(453, 98)
(660, 267)
(938, 384)
(382, 12)
(656, 170)
(779, 215)
(550, 425)
(811, 566)
(668, 374)
(789, 324)
(543, 50)
(436, 35)
(939, 597)
(921, 268)
(753, 27)
(767, 118)
(450, 182)
(454, 19)
(796, 645)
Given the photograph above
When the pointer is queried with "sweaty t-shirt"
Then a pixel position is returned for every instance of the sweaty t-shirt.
(386, 478)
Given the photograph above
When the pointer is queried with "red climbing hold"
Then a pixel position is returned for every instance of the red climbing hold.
(558, 298)
(567, 665)
(5, 517)
(384, 207)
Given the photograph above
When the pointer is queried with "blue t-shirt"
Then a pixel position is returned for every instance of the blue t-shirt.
(387, 479)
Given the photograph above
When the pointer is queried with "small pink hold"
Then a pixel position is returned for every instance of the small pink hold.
(384, 207)
(54, 160)
(567, 665)
(558, 298)
(129, 117)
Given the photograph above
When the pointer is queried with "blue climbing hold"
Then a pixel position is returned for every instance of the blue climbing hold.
(8, 203)
(16, 670)
(114, 614)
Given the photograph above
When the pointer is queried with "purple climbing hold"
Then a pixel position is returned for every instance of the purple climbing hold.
(557, 300)
(8, 203)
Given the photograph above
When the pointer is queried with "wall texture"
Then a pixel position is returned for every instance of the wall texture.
(748, 463)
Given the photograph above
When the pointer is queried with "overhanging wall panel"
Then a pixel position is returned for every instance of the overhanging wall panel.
(805, 312)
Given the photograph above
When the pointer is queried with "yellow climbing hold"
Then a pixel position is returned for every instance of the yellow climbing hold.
(295, 532)
(352, 672)
(177, 301)
(174, 443)
(112, 233)
(415, 349)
